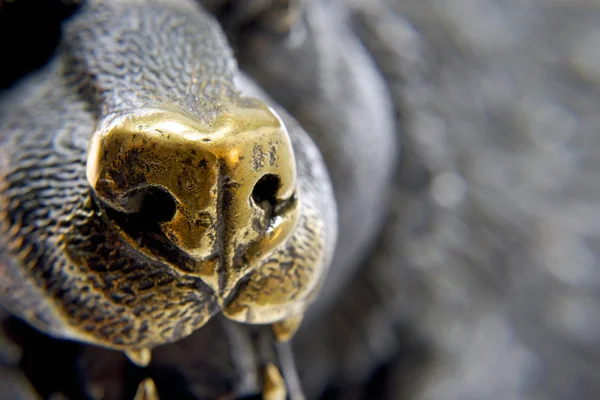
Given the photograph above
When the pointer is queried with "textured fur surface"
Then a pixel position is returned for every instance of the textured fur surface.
(477, 273)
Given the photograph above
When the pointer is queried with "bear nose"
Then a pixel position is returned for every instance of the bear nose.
(231, 182)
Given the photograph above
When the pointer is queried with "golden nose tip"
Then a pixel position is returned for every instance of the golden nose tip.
(221, 187)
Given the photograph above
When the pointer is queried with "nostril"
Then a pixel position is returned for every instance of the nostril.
(265, 190)
(153, 205)
(141, 215)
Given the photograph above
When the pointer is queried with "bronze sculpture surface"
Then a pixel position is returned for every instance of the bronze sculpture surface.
(152, 191)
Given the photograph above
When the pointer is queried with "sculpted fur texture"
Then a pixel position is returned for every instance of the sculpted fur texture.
(320, 199)
(190, 205)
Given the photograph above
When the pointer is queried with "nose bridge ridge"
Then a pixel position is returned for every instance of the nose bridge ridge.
(248, 153)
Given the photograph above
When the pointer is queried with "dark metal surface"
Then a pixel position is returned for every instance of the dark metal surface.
(483, 282)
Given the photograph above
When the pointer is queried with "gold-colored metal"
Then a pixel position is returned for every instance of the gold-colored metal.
(229, 180)
(285, 329)
(273, 292)
(146, 390)
(274, 384)
(211, 171)
(141, 357)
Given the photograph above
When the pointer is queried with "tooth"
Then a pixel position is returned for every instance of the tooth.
(285, 329)
(140, 357)
(146, 390)
(274, 385)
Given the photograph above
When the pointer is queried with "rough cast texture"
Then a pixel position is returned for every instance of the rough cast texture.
(80, 278)
(484, 282)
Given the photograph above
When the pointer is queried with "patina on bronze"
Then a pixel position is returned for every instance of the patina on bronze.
(225, 179)
(141, 204)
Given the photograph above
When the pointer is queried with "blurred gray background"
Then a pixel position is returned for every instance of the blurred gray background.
(498, 205)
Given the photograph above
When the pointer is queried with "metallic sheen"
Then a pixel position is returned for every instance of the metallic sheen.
(213, 173)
